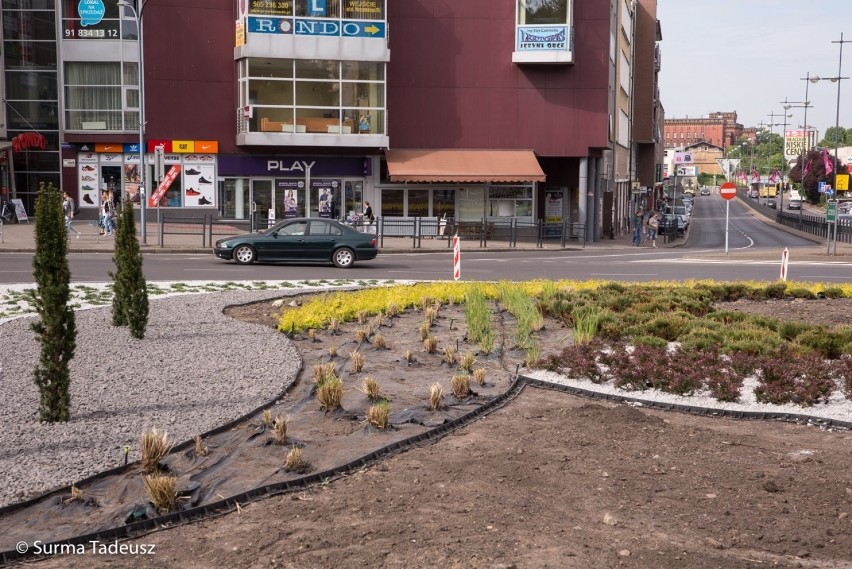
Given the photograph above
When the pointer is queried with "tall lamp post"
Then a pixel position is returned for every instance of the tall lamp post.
(808, 80)
(787, 106)
(143, 199)
(837, 115)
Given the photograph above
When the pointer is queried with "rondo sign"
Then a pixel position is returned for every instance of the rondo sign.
(728, 190)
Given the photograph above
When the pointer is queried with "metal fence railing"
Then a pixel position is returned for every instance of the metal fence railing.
(815, 225)
(505, 231)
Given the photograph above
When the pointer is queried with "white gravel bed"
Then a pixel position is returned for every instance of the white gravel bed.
(195, 369)
(837, 408)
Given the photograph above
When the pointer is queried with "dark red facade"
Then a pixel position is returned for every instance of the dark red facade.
(452, 83)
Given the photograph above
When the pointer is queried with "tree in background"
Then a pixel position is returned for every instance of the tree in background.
(815, 172)
(130, 291)
(56, 328)
(844, 137)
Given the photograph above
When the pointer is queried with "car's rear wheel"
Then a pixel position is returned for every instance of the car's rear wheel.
(244, 254)
(343, 258)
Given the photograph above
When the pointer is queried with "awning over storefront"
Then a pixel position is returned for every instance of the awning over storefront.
(465, 166)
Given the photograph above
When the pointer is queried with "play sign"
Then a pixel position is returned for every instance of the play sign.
(728, 190)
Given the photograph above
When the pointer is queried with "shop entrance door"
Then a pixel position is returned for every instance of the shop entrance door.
(263, 204)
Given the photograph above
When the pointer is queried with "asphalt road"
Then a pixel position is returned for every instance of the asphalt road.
(754, 253)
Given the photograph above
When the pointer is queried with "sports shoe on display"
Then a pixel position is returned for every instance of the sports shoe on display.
(88, 199)
(88, 168)
(88, 178)
(88, 189)
(204, 201)
(192, 192)
(192, 172)
(203, 180)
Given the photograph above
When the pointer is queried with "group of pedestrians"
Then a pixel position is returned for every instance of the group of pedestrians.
(106, 220)
(645, 228)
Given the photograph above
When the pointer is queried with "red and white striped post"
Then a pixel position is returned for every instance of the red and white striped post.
(785, 256)
(456, 257)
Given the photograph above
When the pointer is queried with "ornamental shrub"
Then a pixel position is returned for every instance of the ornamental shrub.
(130, 290)
(56, 327)
(804, 379)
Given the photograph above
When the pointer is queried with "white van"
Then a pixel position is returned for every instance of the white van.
(795, 201)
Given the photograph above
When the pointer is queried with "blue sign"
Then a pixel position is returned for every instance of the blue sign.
(317, 8)
(363, 29)
(821, 187)
(269, 25)
(345, 28)
(130, 148)
(91, 12)
(542, 38)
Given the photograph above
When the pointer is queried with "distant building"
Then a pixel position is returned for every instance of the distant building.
(720, 129)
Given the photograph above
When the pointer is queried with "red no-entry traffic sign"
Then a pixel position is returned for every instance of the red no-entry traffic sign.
(728, 190)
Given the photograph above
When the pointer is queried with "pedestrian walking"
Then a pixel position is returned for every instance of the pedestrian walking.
(638, 229)
(107, 213)
(68, 212)
(653, 226)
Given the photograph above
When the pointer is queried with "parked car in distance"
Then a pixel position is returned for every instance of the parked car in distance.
(772, 203)
(794, 203)
(672, 218)
(300, 240)
(705, 191)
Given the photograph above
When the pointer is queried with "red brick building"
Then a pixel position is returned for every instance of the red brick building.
(719, 128)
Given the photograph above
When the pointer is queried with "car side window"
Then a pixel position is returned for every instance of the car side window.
(297, 228)
(324, 228)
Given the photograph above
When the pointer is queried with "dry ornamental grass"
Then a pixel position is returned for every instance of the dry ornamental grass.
(371, 388)
(294, 460)
(436, 396)
(279, 428)
(460, 385)
(154, 446)
(330, 393)
(378, 415)
(357, 361)
(162, 491)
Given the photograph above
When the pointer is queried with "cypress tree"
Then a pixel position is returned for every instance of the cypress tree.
(56, 328)
(130, 290)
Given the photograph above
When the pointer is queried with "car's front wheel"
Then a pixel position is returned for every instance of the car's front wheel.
(343, 258)
(244, 254)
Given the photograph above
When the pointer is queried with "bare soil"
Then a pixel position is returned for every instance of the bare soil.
(549, 480)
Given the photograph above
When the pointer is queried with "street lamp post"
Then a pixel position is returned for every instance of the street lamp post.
(787, 106)
(143, 199)
(837, 115)
(808, 80)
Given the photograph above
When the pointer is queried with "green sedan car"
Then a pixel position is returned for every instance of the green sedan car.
(300, 240)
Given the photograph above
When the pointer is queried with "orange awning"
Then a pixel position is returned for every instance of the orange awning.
(466, 166)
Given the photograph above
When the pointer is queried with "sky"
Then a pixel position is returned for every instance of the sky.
(750, 55)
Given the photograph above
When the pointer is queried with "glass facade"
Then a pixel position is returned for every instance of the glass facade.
(101, 96)
(32, 99)
(313, 96)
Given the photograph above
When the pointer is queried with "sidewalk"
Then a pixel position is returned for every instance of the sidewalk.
(20, 238)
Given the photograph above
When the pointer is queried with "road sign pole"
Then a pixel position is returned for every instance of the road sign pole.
(727, 214)
(728, 191)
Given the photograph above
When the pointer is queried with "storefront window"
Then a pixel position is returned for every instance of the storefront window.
(101, 96)
(392, 202)
(418, 203)
(510, 201)
(470, 204)
(444, 202)
(353, 198)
